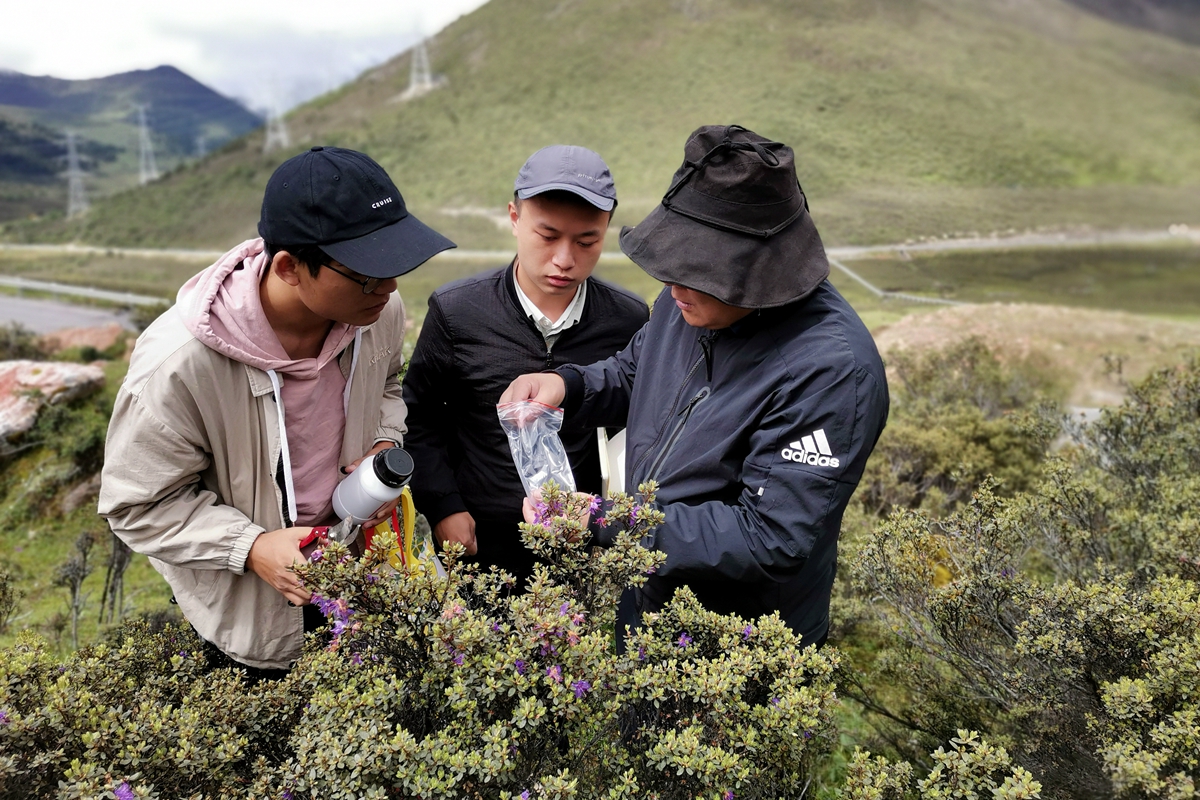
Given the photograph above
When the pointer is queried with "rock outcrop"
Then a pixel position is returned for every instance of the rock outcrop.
(26, 386)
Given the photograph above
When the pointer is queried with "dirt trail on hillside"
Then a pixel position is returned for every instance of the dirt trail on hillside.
(1071, 341)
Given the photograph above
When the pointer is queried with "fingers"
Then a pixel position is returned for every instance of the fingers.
(353, 465)
(528, 511)
(524, 387)
(382, 514)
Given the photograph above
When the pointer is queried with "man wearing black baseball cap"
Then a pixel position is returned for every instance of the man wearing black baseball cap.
(753, 397)
(543, 310)
(274, 375)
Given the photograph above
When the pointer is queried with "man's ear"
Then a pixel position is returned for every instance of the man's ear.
(513, 215)
(287, 268)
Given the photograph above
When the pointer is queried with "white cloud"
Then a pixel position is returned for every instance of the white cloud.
(287, 49)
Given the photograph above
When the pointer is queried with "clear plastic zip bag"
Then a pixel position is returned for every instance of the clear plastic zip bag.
(532, 429)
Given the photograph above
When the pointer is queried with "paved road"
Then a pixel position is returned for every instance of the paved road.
(1175, 233)
(47, 316)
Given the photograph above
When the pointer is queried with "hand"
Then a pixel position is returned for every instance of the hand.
(460, 528)
(542, 387)
(384, 512)
(529, 510)
(271, 557)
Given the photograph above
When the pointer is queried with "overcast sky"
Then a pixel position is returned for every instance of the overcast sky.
(254, 50)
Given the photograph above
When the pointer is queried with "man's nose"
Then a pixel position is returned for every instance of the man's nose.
(386, 286)
(564, 255)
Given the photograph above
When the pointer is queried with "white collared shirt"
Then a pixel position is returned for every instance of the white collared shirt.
(552, 329)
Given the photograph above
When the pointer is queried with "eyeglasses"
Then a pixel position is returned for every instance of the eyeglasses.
(368, 285)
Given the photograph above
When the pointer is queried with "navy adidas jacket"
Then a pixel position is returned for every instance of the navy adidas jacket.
(757, 436)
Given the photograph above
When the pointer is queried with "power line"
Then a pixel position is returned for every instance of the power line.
(77, 202)
(147, 167)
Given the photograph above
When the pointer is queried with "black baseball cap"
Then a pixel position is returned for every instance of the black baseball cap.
(344, 202)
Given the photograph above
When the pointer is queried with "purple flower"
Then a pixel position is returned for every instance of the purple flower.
(774, 701)
(747, 632)
(633, 513)
(729, 795)
(521, 666)
(581, 688)
(564, 609)
(525, 795)
(123, 792)
(554, 673)
(602, 522)
(808, 734)
(183, 653)
(287, 794)
(684, 641)
(458, 659)
(594, 505)
(356, 659)
(641, 654)
(495, 627)
(577, 618)
(4, 718)
(372, 578)
(316, 555)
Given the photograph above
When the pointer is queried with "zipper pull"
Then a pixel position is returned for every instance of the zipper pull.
(706, 344)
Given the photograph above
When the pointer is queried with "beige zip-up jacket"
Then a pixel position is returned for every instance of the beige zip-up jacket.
(190, 470)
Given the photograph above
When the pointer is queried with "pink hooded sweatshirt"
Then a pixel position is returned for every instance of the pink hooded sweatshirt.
(222, 308)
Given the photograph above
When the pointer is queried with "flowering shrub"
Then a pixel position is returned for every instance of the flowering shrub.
(427, 687)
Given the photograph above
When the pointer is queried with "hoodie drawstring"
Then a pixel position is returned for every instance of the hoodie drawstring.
(289, 485)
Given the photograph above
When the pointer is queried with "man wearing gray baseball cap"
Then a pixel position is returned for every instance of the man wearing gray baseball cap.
(541, 311)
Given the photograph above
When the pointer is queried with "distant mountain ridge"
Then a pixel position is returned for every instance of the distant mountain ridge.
(908, 117)
(183, 115)
(1179, 19)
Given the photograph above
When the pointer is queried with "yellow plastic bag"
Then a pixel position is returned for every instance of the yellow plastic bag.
(411, 552)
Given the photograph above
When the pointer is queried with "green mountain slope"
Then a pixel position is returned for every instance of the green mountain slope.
(34, 112)
(909, 117)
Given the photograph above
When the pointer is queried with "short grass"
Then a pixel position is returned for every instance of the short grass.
(1159, 280)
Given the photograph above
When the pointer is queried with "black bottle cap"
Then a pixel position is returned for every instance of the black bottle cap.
(393, 467)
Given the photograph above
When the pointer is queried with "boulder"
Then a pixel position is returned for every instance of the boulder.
(25, 386)
(100, 337)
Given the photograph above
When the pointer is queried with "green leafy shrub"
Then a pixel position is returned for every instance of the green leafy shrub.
(18, 342)
(431, 687)
(1061, 621)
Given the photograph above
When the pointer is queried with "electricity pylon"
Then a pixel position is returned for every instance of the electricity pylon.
(147, 167)
(421, 78)
(277, 132)
(77, 202)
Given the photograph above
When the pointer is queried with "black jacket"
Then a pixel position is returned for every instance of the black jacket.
(475, 340)
(757, 436)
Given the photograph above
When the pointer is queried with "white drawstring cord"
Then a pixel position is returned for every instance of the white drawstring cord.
(288, 485)
(353, 366)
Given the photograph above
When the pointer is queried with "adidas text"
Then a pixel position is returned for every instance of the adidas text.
(812, 450)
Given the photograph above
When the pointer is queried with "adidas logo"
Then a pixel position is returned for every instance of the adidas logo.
(812, 450)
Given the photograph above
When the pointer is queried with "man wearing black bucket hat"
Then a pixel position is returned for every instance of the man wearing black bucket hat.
(274, 374)
(753, 396)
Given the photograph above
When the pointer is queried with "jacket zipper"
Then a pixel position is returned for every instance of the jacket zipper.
(706, 340)
(652, 472)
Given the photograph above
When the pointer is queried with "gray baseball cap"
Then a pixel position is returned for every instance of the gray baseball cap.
(570, 169)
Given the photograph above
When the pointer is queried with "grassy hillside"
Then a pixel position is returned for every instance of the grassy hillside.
(35, 110)
(910, 117)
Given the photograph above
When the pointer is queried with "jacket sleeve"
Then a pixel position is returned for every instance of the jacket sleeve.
(392, 412)
(598, 394)
(785, 506)
(427, 386)
(152, 496)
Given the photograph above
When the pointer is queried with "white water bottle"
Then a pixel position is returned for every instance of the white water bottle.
(372, 484)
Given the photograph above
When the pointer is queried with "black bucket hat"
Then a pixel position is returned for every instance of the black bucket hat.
(734, 224)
